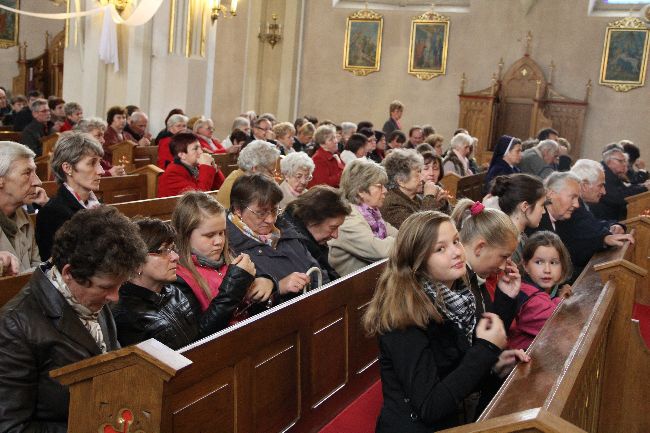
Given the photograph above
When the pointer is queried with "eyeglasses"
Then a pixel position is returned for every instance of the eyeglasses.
(619, 160)
(47, 110)
(301, 176)
(265, 213)
(262, 129)
(164, 252)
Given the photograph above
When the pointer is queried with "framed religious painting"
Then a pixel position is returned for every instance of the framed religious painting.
(362, 49)
(9, 24)
(428, 46)
(625, 55)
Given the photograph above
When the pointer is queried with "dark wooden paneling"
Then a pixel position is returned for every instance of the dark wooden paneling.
(328, 355)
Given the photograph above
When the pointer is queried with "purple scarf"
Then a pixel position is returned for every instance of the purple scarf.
(374, 219)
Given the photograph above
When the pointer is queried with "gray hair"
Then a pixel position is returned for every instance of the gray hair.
(239, 122)
(399, 163)
(70, 148)
(348, 127)
(10, 151)
(176, 118)
(546, 145)
(610, 150)
(323, 132)
(139, 115)
(587, 170)
(71, 107)
(558, 179)
(90, 124)
(200, 122)
(460, 140)
(35, 106)
(295, 161)
(358, 176)
(258, 153)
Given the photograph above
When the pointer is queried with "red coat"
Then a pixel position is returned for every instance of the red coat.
(215, 147)
(177, 179)
(328, 169)
(164, 152)
(536, 306)
(67, 126)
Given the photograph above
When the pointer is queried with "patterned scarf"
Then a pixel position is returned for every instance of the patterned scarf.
(374, 219)
(92, 201)
(271, 239)
(458, 304)
(89, 319)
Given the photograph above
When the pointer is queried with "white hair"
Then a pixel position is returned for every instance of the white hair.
(348, 127)
(558, 179)
(139, 115)
(460, 140)
(587, 170)
(10, 152)
(545, 145)
(176, 118)
(258, 153)
(239, 122)
(295, 161)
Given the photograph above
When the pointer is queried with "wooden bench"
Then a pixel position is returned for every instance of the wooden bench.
(10, 136)
(160, 208)
(589, 365)
(470, 187)
(293, 367)
(116, 189)
(10, 286)
(227, 162)
(637, 204)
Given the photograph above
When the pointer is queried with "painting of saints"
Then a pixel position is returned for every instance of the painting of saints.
(8, 24)
(625, 55)
(363, 44)
(428, 46)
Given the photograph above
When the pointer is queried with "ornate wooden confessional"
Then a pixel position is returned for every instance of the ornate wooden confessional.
(44, 72)
(520, 104)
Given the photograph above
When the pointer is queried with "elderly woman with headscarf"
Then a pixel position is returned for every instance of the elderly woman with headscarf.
(258, 156)
(175, 124)
(506, 156)
(405, 181)
(76, 164)
(364, 236)
(297, 169)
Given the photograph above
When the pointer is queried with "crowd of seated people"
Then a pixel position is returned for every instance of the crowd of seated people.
(305, 195)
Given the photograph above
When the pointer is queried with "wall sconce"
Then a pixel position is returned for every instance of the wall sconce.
(272, 32)
(217, 8)
(120, 5)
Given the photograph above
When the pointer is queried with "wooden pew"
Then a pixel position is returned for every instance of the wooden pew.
(160, 208)
(144, 155)
(637, 204)
(293, 367)
(227, 162)
(470, 187)
(10, 136)
(589, 365)
(10, 286)
(116, 189)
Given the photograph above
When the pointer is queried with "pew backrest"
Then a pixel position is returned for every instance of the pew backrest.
(113, 189)
(637, 204)
(10, 286)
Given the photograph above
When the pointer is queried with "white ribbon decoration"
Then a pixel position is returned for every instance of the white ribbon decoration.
(108, 48)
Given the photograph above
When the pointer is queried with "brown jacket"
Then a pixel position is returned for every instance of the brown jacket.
(24, 246)
(397, 206)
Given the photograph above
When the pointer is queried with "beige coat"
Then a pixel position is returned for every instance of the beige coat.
(25, 243)
(356, 245)
(223, 195)
(287, 195)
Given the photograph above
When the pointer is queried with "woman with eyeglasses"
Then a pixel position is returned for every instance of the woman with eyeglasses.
(153, 304)
(276, 249)
(365, 237)
(297, 169)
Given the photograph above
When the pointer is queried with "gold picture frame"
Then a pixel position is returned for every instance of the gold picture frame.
(9, 24)
(625, 54)
(428, 46)
(362, 48)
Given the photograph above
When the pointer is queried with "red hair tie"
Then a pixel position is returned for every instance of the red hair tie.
(476, 208)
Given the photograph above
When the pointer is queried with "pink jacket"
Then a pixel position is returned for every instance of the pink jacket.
(212, 276)
(536, 306)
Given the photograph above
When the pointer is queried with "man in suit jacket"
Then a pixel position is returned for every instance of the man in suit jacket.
(396, 110)
(540, 160)
(612, 206)
(60, 316)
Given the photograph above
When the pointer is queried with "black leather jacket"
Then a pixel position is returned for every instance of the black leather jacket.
(40, 332)
(174, 316)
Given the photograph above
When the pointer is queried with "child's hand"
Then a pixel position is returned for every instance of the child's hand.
(244, 262)
(510, 280)
(564, 291)
(490, 328)
(508, 361)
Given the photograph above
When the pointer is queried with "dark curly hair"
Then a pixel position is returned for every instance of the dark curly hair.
(99, 241)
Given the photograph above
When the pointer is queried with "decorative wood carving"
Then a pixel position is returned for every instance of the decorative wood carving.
(44, 72)
(520, 104)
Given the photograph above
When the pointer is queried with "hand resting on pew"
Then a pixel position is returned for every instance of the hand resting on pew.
(617, 240)
(508, 361)
(9, 264)
(617, 229)
(293, 283)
